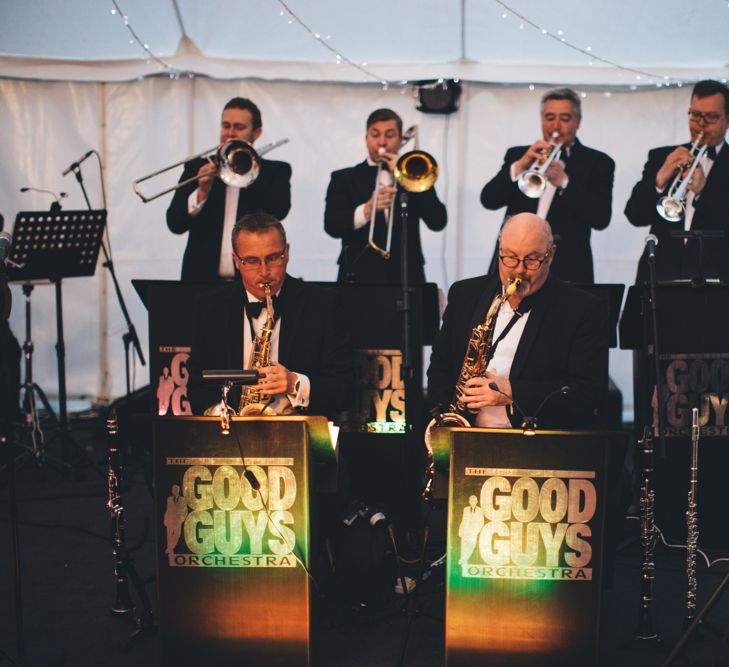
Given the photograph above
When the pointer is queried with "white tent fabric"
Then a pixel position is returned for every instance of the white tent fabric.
(139, 125)
(408, 39)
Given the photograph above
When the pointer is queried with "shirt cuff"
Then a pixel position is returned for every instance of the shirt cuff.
(303, 391)
(193, 208)
(359, 219)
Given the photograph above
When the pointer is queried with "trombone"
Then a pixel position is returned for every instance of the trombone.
(672, 207)
(415, 171)
(532, 182)
(238, 165)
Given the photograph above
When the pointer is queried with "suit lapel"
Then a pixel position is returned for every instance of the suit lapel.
(235, 320)
(292, 309)
(533, 325)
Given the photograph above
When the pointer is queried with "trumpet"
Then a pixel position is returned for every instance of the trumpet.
(672, 207)
(238, 165)
(415, 171)
(532, 182)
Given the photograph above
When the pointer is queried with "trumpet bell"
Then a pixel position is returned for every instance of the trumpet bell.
(670, 209)
(239, 163)
(532, 183)
(416, 171)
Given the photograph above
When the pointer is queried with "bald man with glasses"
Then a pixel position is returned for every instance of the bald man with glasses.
(706, 205)
(310, 361)
(548, 335)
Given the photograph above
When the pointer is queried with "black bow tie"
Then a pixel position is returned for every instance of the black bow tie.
(254, 308)
(711, 152)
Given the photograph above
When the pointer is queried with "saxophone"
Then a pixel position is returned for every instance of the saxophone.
(251, 402)
(477, 358)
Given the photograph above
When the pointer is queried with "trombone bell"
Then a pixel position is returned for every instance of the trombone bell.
(416, 171)
(239, 163)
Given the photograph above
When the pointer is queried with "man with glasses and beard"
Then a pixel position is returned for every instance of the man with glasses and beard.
(547, 336)
(310, 361)
(706, 200)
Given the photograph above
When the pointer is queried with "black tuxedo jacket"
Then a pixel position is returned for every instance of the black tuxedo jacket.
(270, 192)
(674, 258)
(348, 188)
(313, 341)
(565, 342)
(585, 204)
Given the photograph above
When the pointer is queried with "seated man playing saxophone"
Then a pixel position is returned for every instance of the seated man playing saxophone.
(548, 355)
(300, 349)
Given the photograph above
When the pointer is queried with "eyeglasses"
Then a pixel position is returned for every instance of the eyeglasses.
(255, 263)
(530, 263)
(708, 118)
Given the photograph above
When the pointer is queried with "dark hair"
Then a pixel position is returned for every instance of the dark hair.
(709, 87)
(384, 114)
(564, 94)
(246, 105)
(257, 223)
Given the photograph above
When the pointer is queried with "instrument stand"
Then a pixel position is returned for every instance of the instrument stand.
(130, 337)
(656, 358)
(32, 439)
(699, 621)
(412, 607)
(145, 625)
(54, 246)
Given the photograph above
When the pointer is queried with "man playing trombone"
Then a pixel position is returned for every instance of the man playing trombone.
(703, 206)
(576, 187)
(353, 194)
(207, 208)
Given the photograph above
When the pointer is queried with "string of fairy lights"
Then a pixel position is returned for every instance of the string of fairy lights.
(641, 77)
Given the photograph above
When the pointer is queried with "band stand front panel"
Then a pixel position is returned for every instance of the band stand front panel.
(525, 532)
(231, 582)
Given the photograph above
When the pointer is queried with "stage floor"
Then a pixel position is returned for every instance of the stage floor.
(68, 585)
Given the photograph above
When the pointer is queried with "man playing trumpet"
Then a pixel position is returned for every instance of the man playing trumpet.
(547, 336)
(353, 193)
(579, 185)
(705, 207)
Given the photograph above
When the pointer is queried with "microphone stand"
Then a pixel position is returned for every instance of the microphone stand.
(413, 418)
(130, 337)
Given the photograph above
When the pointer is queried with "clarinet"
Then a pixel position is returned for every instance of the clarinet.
(123, 604)
(644, 629)
(692, 522)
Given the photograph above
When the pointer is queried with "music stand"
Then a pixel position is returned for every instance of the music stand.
(50, 247)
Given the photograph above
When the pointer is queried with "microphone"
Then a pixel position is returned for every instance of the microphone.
(56, 205)
(651, 242)
(6, 240)
(529, 423)
(74, 165)
(524, 419)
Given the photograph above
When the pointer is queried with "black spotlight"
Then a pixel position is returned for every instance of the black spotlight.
(438, 96)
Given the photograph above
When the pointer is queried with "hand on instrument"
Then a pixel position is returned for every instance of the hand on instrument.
(384, 200)
(675, 160)
(556, 174)
(535, 155)
(390, 160)
(698, 181)
(477, 395)
(278, 380)
(205, 182)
